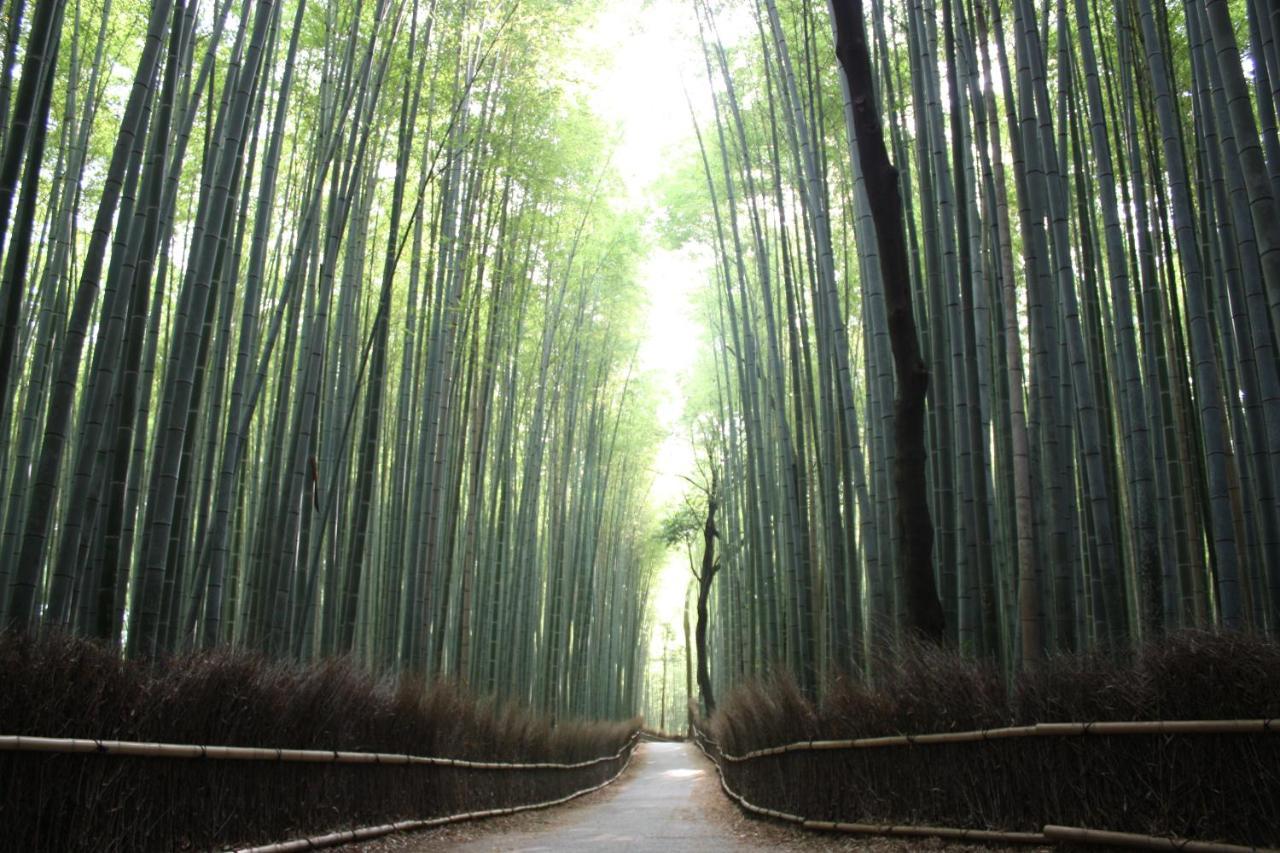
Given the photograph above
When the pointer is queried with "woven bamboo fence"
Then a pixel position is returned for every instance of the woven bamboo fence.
(23, 743)
(369, 833)
(1166, 727)
(127, 795)
(784, 775)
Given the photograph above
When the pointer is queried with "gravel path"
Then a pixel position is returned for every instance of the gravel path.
(668, 801)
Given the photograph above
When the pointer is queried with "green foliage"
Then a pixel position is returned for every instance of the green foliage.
(684, 203)
(681, 526)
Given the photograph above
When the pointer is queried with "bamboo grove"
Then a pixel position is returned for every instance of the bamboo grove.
(1090, 195)
(316, 340)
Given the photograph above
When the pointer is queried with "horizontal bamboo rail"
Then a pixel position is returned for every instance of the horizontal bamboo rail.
(367, 833)
(1079, 835)
(23, 743)
(952, 833)
(1160, 727)
(1050, 833)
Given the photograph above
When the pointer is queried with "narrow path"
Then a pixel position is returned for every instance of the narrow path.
(668, 801)
(657, 806)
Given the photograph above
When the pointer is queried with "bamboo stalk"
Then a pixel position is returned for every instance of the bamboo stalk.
(1153, 727)
(1080, 835)
(22, 743)
(333, 839)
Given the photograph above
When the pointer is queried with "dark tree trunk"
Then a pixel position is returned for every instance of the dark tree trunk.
(705, 577)
(914, 524)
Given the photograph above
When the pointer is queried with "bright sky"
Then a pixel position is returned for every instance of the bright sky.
(651, 56)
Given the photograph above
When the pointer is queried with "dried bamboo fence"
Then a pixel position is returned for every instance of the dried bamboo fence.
(24, 743)
(233, 794)
(369, 833)
(990, 778)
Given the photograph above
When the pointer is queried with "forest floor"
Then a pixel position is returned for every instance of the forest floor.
(668, 801)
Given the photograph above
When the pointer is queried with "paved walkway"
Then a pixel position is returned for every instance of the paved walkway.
(657, 807)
